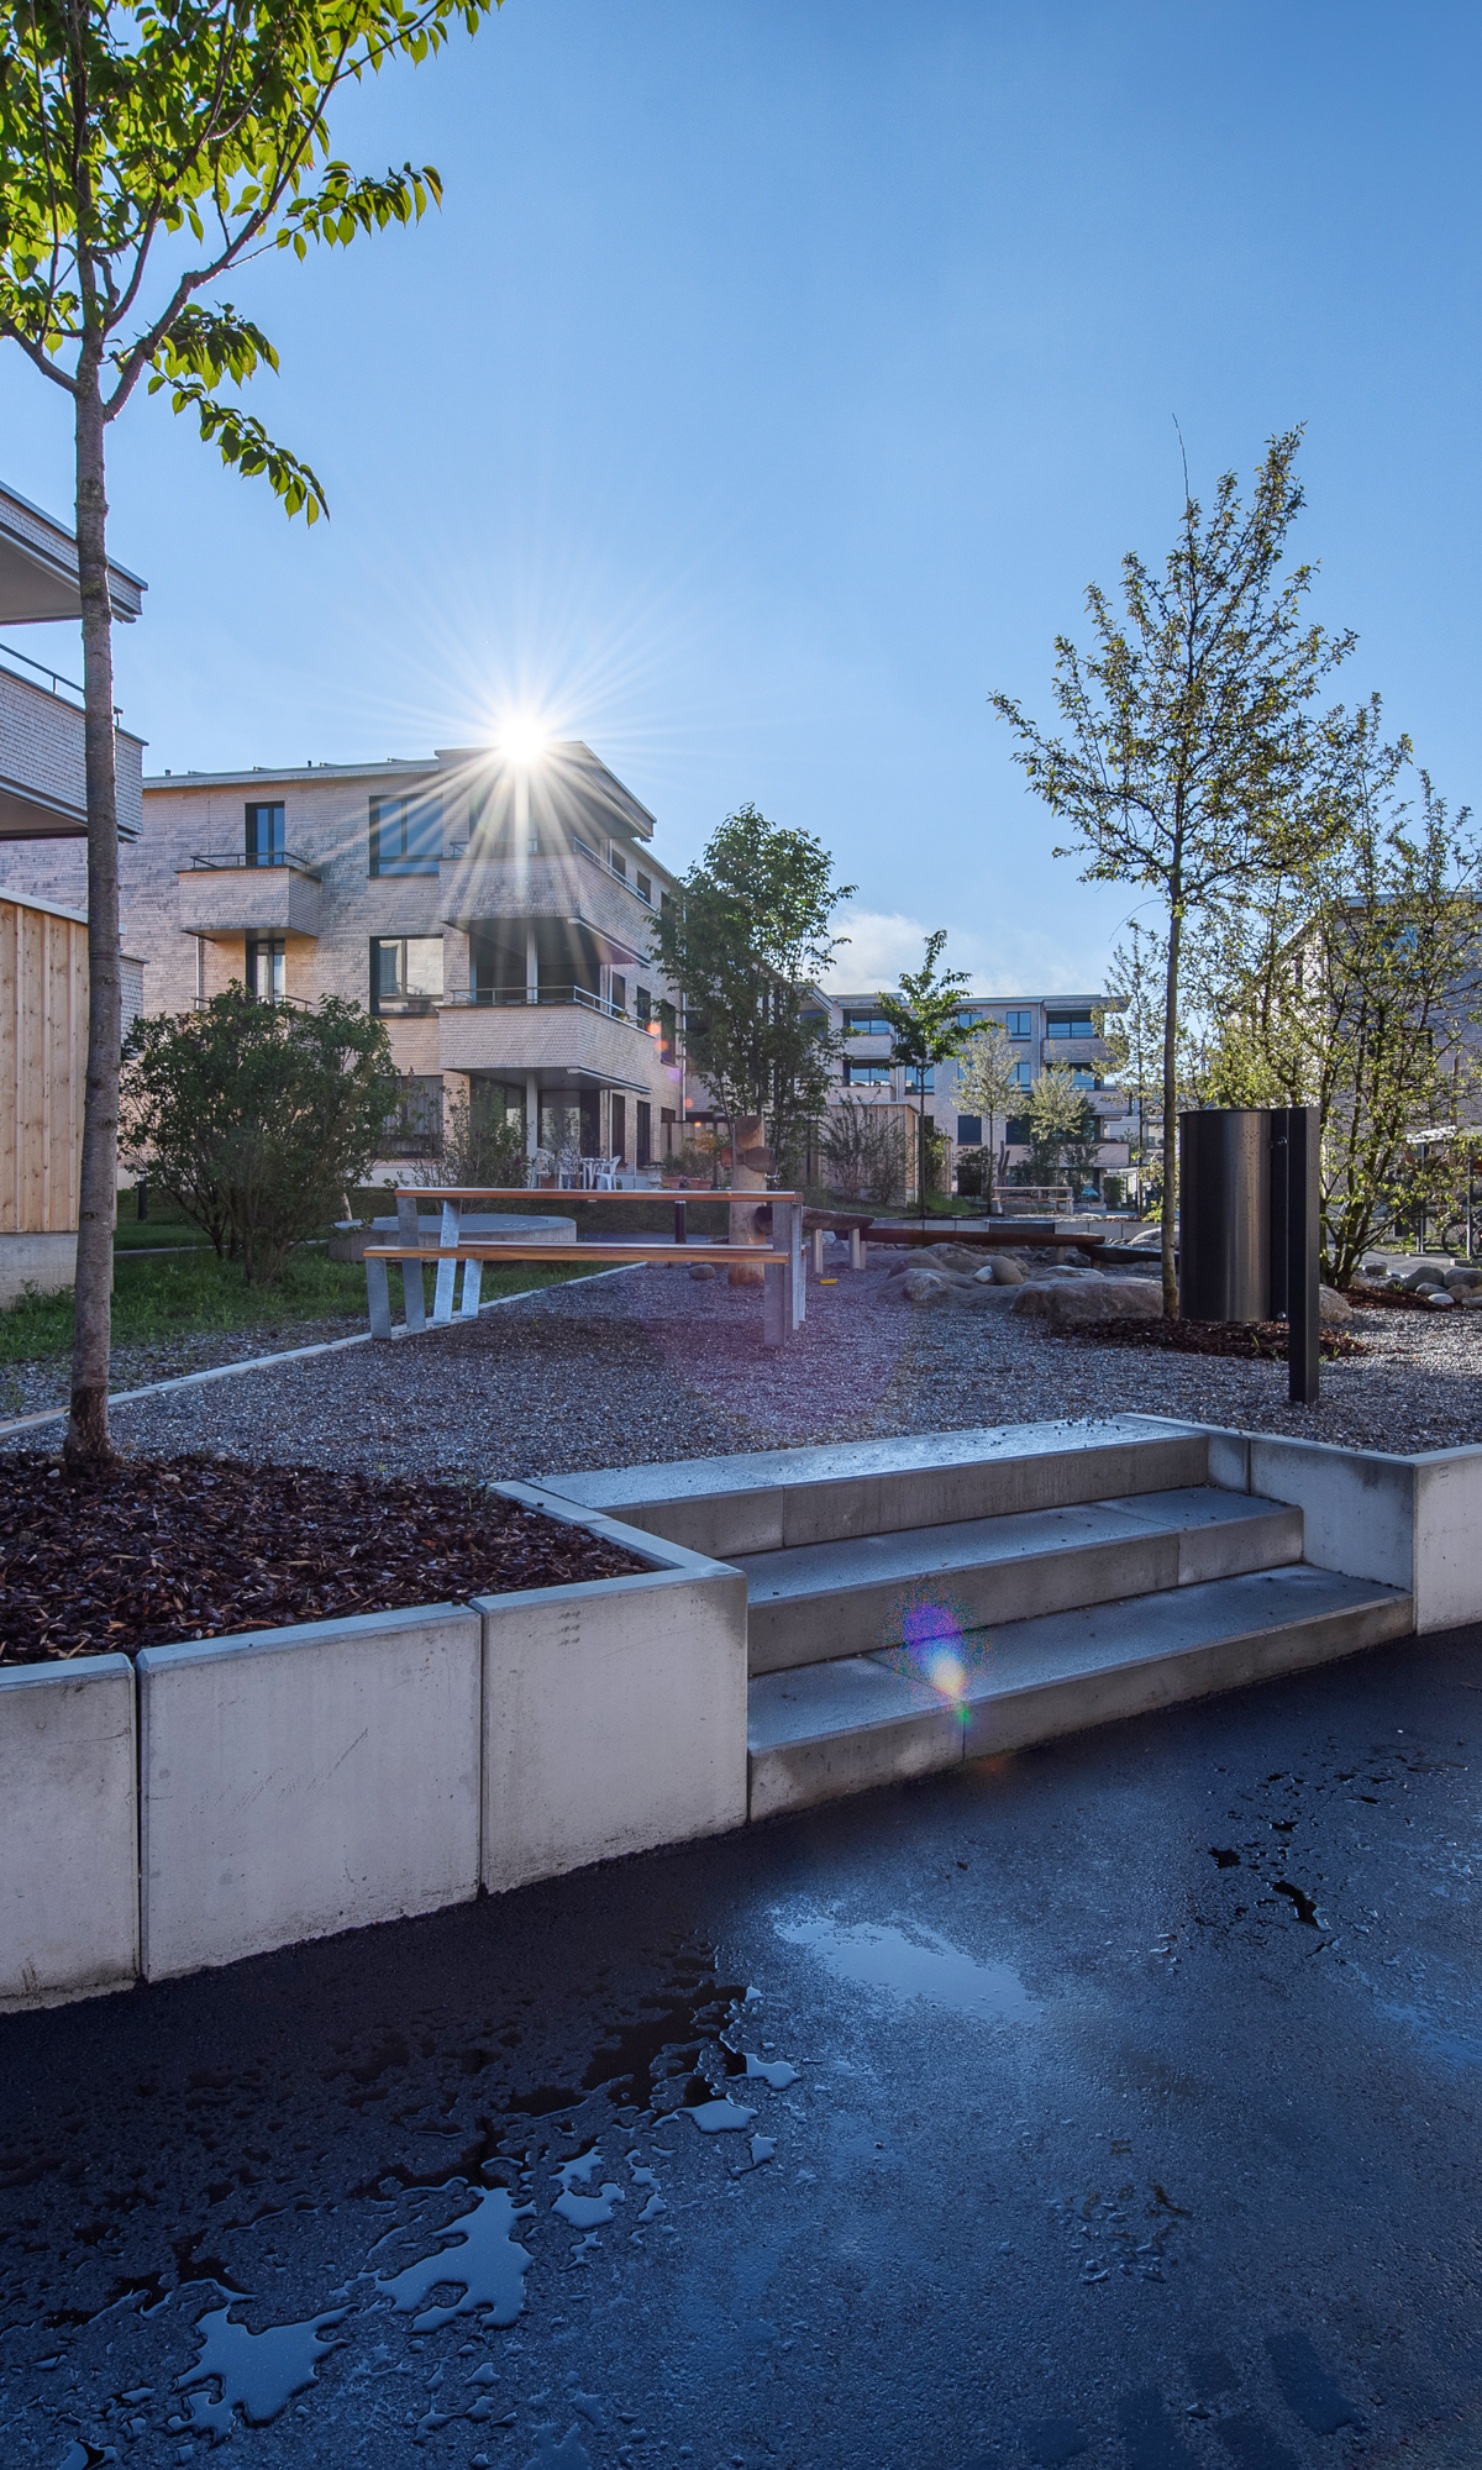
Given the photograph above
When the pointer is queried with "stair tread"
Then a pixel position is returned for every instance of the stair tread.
(800, 1571)
(854, 1693)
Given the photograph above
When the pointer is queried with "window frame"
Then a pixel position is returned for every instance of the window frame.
(426, 812)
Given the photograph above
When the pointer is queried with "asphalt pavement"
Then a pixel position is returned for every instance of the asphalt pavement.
(1115, 2103)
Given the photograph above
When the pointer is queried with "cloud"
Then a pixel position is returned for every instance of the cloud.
(1015, 961)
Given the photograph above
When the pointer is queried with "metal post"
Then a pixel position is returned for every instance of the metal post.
(681, 1223)
(1303, 1218)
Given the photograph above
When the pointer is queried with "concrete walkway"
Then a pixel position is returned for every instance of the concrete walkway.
(1116, 2104)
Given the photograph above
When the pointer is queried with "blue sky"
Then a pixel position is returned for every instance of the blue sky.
(777, 375)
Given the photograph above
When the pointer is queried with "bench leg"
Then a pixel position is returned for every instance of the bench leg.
(473, 1279)
(411, 1287)
(378, 1293)
(776, 1304)
(447, 1271)
(856, 1248)
(818, 1236)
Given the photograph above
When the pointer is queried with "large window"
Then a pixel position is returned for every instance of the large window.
(1023, 1075)
(860, 1024)
(265, 967)
(406, 973)
(866, 1075)
(1069, 1025)
(969, 1130)
(265, 836)
(1019, 1024)
(405, 835)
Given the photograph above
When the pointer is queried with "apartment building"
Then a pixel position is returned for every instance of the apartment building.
(497, 916)
(43, 783)
(1041, 1029)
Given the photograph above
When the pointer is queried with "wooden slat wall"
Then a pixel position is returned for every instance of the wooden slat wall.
(43, 1058)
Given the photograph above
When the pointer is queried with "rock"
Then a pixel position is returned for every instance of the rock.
(1066, 1301)
(1462, 1279)
(965, 1257)
(927, 1286)
(1472, 1301)
(1376, 1271)
(703, 1269)
(1419, 1279)
(1439, 1300)
(1331, 1306)
(1001, 1271)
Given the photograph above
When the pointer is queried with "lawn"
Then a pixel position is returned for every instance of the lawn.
(195, 1295)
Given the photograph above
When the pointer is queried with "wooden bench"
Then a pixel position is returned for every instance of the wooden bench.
(781, 1261)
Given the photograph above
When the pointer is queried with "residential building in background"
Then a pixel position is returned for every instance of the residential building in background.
(1041, 1029)
(496, 916)
(43, 784)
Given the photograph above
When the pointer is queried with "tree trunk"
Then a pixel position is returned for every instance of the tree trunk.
(751, 1162)
(88, 1441)
(1170, 1117)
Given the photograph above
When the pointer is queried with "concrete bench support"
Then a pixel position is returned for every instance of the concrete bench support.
(69, 1899)
(306, 1780)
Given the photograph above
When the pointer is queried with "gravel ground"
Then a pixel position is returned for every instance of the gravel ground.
(653, 1365)
(30, 1388)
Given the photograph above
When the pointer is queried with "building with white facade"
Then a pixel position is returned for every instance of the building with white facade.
(496, 916)
(1041, 1030)
(43, 784)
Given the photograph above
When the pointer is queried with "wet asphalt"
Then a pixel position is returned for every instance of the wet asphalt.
(1116, 2103)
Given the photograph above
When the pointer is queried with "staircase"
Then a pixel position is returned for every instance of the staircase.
(916, 1602)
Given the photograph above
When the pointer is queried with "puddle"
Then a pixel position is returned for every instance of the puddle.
(586, 2212)
(926, 1968)
(256, 2373)
(713, 2118)
(483, 2260)
(777, 2072)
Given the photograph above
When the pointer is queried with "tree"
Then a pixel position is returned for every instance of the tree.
(987, 1085)
(743, 944)
(1191, 764)
(1058, 1113)
(147, 147)
(1350, 983)
(255, 1118)
(927, 1028)
(864, 1150)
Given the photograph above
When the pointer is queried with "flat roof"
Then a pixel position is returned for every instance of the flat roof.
(568, 761)
(38, 568)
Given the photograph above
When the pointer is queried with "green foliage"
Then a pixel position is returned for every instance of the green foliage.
(986, 1086)
(1190, 762)
(1350, 984)
(130, 129)
(863, 1150)
(483, 1142)
(254, 1118)
(926, 1029)
(744, 944)
(1062, 1128)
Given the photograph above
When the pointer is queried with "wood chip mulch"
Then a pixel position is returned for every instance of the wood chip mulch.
(1263, 1340)
(155, 1550)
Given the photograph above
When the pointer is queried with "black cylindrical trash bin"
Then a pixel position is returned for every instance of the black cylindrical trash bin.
(1224, 1214)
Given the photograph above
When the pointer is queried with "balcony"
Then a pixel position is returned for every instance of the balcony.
(581, 890)
(43, 770)
(564, 1033)
(228, 893)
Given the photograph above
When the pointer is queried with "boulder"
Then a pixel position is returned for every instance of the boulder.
(965, 1257)
(1472, 1300)
(1001, 1271)
(1376, 1271)
(1462, 1279)
(1419, 1279)
(928, 1286)
(704, 1269)
(1067, 1301)
(1439, 1300)
(1331, 1306)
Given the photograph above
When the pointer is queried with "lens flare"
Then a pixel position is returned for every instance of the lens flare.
(933, 1640)
(523, 738)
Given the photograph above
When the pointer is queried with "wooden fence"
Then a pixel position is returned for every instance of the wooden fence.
(43, 1057)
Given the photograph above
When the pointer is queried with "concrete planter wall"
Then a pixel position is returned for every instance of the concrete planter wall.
(220, 1797)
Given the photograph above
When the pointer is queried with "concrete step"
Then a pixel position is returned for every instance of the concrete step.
(814, 1602)
(841, 1726)
(773, 1500)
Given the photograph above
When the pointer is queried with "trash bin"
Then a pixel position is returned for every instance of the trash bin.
(1224, 1214)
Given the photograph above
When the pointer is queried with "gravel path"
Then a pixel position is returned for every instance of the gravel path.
(654, 1365)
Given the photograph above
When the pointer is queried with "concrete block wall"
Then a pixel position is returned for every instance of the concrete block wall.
(69, 1824)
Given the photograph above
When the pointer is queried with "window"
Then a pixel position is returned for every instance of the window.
(1082, 1077)
(1016, 1132)
(414, 1126)
(265, 962)
(866, 1025)
(265, 839)
(970, 1020)
(1023, 1076)
(646, 889)
(406, 972)
(643, 1006)
(617, 861)
(619, 996)
(1069, 1025)
(922, 1081)
(1019, 1024)
(405, 835)
(969, 1130)
(643, 1133)
(619, 1120)
(866, 1075)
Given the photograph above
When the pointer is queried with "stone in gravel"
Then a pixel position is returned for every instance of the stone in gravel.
(1001, 1272)
(1419, 1279)
(1472, 1300)
(1462, 1279)
(1332, 1306)
(1438, 1299)
(1107, 1299)
(926, 1286)
(953, 1256)
(703, 1269)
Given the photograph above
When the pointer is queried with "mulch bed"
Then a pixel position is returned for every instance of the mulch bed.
(1263, 1340)
(156, 1550)
(1388, 1298)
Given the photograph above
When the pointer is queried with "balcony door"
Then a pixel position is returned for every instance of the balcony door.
(265, 967)
(265, 837)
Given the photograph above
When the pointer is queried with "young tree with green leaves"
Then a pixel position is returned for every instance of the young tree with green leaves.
(926, 1028)
(1351, 984)
(147, 149)
(743, 944)
(255, 1118)
(1058, 1114)
(1190, 762)
(988, 1085)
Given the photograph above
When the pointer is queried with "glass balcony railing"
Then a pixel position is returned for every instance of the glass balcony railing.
(498, 997)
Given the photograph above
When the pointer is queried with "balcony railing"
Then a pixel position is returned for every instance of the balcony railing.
(594, 857)
(64, 688)
(223, 861)
(518, 996)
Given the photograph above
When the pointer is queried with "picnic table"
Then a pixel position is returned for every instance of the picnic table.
(460, 1242)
